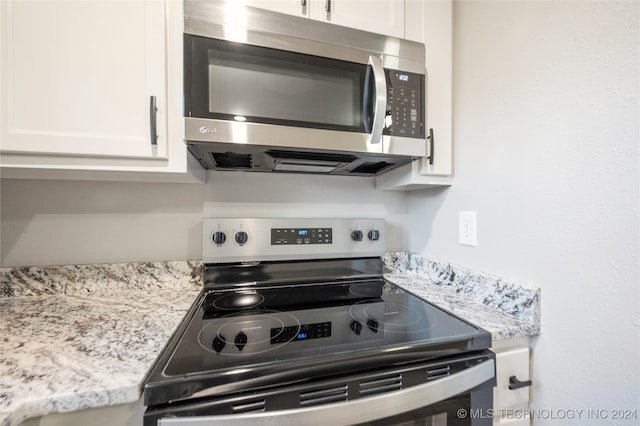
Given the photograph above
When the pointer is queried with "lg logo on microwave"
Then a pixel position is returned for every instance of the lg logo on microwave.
(204, 130)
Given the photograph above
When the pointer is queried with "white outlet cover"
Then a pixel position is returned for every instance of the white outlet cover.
(467, 228)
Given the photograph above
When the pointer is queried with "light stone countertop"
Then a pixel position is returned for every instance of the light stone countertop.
(82, 337)
(500, 325)
(78, 337)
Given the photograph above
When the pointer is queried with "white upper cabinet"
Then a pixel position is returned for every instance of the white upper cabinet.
(80, 76)
(438, 40)
(79, 79)
(431, 22)
(290, 7)
(378, 16)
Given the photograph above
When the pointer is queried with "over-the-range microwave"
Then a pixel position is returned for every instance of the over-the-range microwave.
(265, 91)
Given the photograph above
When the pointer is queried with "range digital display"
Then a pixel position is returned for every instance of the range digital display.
(302, 332)
(301, 236)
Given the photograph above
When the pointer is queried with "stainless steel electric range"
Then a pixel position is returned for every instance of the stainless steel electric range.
(295, 325)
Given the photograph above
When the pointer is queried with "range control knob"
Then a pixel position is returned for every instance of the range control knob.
(241, 237)
(356, 327)
(374, 235)
(218, 343)
(219, 238)
(373, 325)
(241, 341)
(356, 235)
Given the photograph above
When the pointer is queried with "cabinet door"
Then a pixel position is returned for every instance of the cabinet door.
(510, 404)
(290, 7)
(438, 40)
(78, 76)
(431, 23)
(377, 16)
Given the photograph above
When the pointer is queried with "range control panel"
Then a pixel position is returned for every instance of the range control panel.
(251, 239)
(282, 236)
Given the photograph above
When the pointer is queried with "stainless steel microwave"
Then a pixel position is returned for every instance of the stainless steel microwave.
(265, 91)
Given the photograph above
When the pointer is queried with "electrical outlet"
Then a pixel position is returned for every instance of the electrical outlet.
(467, 228)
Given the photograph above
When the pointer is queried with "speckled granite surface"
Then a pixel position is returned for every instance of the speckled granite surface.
(99, 279)
(76, 337)
(507, 309)
(501, 325)
(81, 337)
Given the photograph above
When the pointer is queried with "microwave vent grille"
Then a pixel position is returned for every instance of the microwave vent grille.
(371, 167)
(311, 156)
(232, 160)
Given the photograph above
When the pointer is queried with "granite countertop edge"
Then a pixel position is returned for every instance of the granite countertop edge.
(64, 370)
(73, 373)
(501, 325)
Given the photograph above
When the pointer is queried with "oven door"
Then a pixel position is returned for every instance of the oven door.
(463, 398)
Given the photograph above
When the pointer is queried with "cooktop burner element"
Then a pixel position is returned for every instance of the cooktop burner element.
(277, 311)
(237, 301)
(238, 335)
(390, 317)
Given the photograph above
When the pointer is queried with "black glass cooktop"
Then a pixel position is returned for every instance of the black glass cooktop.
(247, 338)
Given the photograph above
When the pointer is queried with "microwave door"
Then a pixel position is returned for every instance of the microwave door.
(245, 94)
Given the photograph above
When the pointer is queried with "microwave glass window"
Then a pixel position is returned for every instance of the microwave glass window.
(227, 81)
(284, 89)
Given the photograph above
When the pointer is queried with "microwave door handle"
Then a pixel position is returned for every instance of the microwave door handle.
(367, 100)
(379, 102)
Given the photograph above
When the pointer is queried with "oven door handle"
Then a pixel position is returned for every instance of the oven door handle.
(357, 411)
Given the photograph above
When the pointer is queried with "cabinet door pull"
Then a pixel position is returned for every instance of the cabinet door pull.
(431, 146)
(327, 6)
(303, 2)
(514, 383)
(152, 117)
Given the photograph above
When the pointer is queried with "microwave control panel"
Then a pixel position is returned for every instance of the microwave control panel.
(405, 104)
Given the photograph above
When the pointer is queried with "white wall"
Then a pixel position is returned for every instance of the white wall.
(547, 134)
(79, 222)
